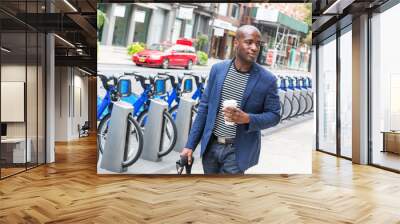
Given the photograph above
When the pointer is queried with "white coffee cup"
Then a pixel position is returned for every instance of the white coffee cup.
(229, 103)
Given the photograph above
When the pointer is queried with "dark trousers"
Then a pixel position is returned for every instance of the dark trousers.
(220, 159)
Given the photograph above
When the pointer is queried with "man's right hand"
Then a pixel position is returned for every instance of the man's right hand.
(188, 153)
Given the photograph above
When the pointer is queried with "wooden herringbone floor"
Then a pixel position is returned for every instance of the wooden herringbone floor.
(70, 191)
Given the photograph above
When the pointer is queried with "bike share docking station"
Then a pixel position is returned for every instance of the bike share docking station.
(115, 155)
(153, 132)
(184, 122)
(115, 151)
(159, 134)
(157, 127)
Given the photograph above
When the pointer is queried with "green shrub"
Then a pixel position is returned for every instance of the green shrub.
(202, 58)
(135, 48)
(201, 42)
(101, 18)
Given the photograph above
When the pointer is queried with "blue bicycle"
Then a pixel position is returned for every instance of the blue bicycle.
(286, 103)
(200, 83)
(308, 86)
(177, 91)
(104, 106)
(141, 106)
(293, 97)
(134, 134)
(301, 94)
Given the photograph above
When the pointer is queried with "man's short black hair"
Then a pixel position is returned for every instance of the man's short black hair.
(246, 28)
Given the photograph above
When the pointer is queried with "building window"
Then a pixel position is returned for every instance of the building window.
(122, 14)
(177, 30)
(235, 11)
(22, 98)
(385, 89)
(223, 9)
(346, 94)
(327, 96)
(188, 29)
(142, 21)
(246, 11)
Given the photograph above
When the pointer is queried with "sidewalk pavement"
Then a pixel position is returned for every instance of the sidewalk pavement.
(285, 149)
(118, 56)
(113, 55)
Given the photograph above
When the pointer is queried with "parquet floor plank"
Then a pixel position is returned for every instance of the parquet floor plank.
(70, 191)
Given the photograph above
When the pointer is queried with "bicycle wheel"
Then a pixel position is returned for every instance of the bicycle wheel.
(135, 142)
(102, 130)
(312, 102)
(135, 138)
(282, 110)
(142, 119)
(170, 132)
(174, 110)
(296, 106)
(309, 103)
(303, 104)
(288, 108)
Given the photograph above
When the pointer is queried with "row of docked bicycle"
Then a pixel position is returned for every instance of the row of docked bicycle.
(296, 99)
(153, 87)
(295, 95)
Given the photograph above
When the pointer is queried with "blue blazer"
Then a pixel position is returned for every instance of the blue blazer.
(260, 100)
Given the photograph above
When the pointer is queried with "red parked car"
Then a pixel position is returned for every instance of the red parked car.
(165, 56)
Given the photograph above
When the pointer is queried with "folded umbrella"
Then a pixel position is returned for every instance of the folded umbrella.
(183, 163)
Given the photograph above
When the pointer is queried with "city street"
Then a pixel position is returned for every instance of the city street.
(115, 61)
(119, 69)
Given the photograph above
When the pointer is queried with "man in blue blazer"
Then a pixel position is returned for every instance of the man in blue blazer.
(230, 136)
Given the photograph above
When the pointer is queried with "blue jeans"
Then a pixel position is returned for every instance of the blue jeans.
(220, 159)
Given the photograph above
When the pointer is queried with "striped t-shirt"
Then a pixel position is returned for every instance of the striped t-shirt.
(232, 89)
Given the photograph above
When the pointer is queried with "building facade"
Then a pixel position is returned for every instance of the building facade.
(127, 23)
(283, 30)
(225, 22)
(153, 22)
(281, 26)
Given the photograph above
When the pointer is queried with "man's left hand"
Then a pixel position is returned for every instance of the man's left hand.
(236, 115)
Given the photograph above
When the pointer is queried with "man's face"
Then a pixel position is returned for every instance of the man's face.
(248, 46)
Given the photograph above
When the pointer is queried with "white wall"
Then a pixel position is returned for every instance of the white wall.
(33, 125)
(61, 103)
(79, 115)
(71, 94)
(14, 73)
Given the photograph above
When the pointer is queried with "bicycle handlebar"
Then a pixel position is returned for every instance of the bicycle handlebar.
(105, 80)
(199, 78)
